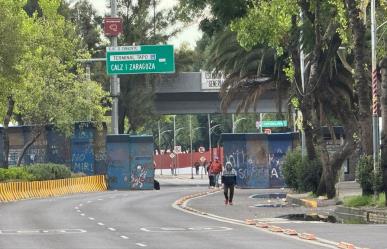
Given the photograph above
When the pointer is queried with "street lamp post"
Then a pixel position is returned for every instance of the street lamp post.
(209, 134)
(160, 134)
(191, 132)
(235, 122)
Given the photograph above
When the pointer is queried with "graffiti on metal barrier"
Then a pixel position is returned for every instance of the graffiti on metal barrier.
(138, 176)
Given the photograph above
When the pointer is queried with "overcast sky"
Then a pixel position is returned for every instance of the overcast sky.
(189, 34)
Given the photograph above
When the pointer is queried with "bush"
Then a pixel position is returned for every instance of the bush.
(357, 201)
(365, 174)
(15, 174)
(49, 171)
(365, 200)
(292, 162)
(300, 173)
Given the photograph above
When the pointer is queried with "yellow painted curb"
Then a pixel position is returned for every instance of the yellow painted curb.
(11, 191)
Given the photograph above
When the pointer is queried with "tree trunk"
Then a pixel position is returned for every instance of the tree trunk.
(6, 120)
(35, 135)
(360, 76)
(383, 66)
(121, 118)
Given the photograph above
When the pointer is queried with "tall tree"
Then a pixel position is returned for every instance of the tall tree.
(13, 42)
(383, 72)
(50, 90)
(276, 24)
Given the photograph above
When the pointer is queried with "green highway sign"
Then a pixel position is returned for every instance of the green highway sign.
(140, 59)
(274, 123)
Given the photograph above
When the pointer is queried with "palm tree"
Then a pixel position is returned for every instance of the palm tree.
(249, 74)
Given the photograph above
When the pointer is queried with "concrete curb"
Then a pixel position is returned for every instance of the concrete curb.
(362, 215)
(181, 204)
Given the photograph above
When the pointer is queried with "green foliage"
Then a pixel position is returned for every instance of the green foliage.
(15, 174)
(300, 173)
(35, 172)
(365, 174)
(48, 171)
(268, 22)
(365, 200)
(358, 201)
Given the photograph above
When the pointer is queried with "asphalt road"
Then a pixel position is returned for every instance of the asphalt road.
(120, 219)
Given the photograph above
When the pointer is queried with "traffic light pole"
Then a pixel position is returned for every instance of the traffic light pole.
(115, 91)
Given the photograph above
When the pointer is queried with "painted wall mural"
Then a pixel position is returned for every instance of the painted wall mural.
(257, 158)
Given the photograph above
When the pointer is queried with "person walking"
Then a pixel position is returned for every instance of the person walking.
(216, 169)
(211, 176)
(229, 182)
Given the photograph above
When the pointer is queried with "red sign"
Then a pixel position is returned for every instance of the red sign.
(112, 26)
(202, 149)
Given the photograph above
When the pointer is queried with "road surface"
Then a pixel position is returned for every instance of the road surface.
(125, 219)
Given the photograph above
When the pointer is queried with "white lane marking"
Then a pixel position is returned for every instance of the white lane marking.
(39, 231)
(82, 214)
(323, 242)
(89, 201)
(100, 223)
(124, 237)
(80, 205)
(100, 199)
(79, 211)
(91, 218)
(76, 208)
(112, 229)
(141, 244)
(185, 229)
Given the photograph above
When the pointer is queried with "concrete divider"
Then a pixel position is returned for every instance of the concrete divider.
(12, 191)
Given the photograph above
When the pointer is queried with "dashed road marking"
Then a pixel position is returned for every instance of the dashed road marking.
(100, 199)
(112, 229)
(80, 205)
(89, 201)
(141, 244)
(100, 223)
(91, 218)
(185, 229)
(79, 211)
(82, 214)
(41, 231)
(123, 237)
(76, 208)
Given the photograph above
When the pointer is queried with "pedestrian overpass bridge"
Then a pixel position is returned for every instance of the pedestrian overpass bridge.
(195, 93)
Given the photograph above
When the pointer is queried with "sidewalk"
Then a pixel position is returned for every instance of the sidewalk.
(182, 180)
(246, 207)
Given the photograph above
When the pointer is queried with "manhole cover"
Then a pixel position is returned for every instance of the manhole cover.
(274, 205)
(269, 196)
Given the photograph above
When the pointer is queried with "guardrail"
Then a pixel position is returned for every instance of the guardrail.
(12, 191)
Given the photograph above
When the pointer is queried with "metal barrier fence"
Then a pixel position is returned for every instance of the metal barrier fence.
(12, 191)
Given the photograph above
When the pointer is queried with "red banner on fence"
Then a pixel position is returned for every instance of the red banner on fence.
(183, 160)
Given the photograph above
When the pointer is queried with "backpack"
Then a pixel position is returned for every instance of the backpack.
(216, 167)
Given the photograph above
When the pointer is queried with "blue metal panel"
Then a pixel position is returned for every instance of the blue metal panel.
(82, 149)
(117, 159)
(100, 151)
(248, 155)
(279, 144)
(58, 149)
(141, 162)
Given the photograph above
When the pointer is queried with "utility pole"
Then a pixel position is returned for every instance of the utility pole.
(190, 137)
(209, 136)
(375, 102)
(115, 91)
